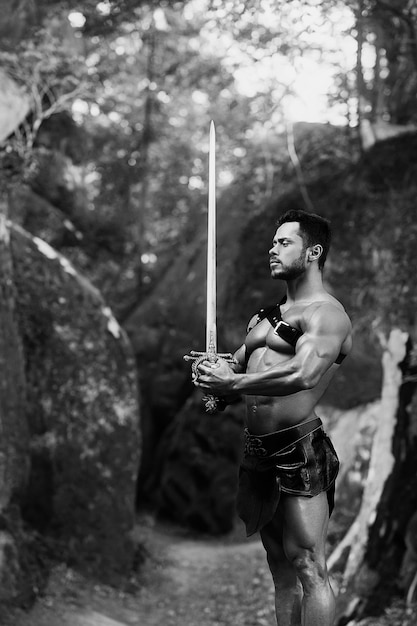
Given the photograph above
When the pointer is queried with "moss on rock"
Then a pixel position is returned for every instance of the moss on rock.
(83, 412)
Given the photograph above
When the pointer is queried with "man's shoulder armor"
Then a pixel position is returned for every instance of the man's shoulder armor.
(260, 315)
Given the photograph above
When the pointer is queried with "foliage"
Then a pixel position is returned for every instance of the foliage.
(142, 81)
(388, 30)
(50, 76)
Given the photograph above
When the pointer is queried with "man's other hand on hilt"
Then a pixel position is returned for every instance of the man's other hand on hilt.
(217, 377)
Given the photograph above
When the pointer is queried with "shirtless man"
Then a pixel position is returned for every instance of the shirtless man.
(287, 477)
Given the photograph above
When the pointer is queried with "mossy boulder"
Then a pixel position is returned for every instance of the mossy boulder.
(82, 411)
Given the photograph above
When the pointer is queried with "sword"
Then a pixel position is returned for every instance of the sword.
(211, 401)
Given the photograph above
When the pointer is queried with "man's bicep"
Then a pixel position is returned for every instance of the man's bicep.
(324, 337)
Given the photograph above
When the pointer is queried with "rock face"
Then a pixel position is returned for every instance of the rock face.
(14, 441)
(82, 412)
(14, 105)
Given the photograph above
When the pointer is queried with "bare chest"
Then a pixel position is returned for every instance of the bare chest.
(264, 335)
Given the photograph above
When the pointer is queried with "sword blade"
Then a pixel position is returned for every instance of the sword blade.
(211, 328)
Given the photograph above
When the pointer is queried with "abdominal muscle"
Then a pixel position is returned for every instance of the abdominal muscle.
(266, 414)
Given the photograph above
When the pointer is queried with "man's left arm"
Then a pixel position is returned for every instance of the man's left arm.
(317, 349)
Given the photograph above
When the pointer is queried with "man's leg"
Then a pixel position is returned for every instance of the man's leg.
(305, 522)
(288, 589)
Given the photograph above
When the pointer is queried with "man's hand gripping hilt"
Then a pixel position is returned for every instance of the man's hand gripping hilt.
(211, 402)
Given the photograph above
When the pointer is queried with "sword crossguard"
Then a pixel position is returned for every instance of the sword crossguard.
(212, 403)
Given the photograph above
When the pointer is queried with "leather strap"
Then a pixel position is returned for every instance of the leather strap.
(280, 440)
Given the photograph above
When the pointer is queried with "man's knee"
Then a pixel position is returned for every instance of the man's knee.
(310, 568)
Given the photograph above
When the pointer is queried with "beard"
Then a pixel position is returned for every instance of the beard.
(290, 272)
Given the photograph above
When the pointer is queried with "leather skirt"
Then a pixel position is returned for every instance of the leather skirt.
(297, 461)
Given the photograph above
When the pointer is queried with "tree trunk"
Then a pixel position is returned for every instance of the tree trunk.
(146, 141)
(360, 82)
(376, 542)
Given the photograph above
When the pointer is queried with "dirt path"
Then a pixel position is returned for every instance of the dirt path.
(183, 582)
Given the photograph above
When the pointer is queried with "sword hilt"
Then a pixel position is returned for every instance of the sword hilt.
(211, 402)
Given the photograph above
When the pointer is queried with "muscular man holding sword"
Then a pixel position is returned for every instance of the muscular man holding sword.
(287, 477)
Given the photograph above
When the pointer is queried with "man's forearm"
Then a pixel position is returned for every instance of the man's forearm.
(273, 382)
(282, 379)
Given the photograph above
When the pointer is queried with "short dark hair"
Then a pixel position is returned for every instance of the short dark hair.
(313, 229)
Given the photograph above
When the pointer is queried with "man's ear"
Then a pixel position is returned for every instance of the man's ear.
(315, 252)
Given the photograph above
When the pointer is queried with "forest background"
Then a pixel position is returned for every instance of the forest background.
(105, 110)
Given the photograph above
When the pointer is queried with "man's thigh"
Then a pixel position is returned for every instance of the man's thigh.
(283, 572)
(304, 524)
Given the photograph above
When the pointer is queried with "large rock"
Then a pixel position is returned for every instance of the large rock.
(14, 441)
(82, 412)
(14, 105)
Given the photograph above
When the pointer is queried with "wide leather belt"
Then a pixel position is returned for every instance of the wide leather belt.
(280, 440)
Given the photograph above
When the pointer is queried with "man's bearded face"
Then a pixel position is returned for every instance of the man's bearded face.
(287, 257)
